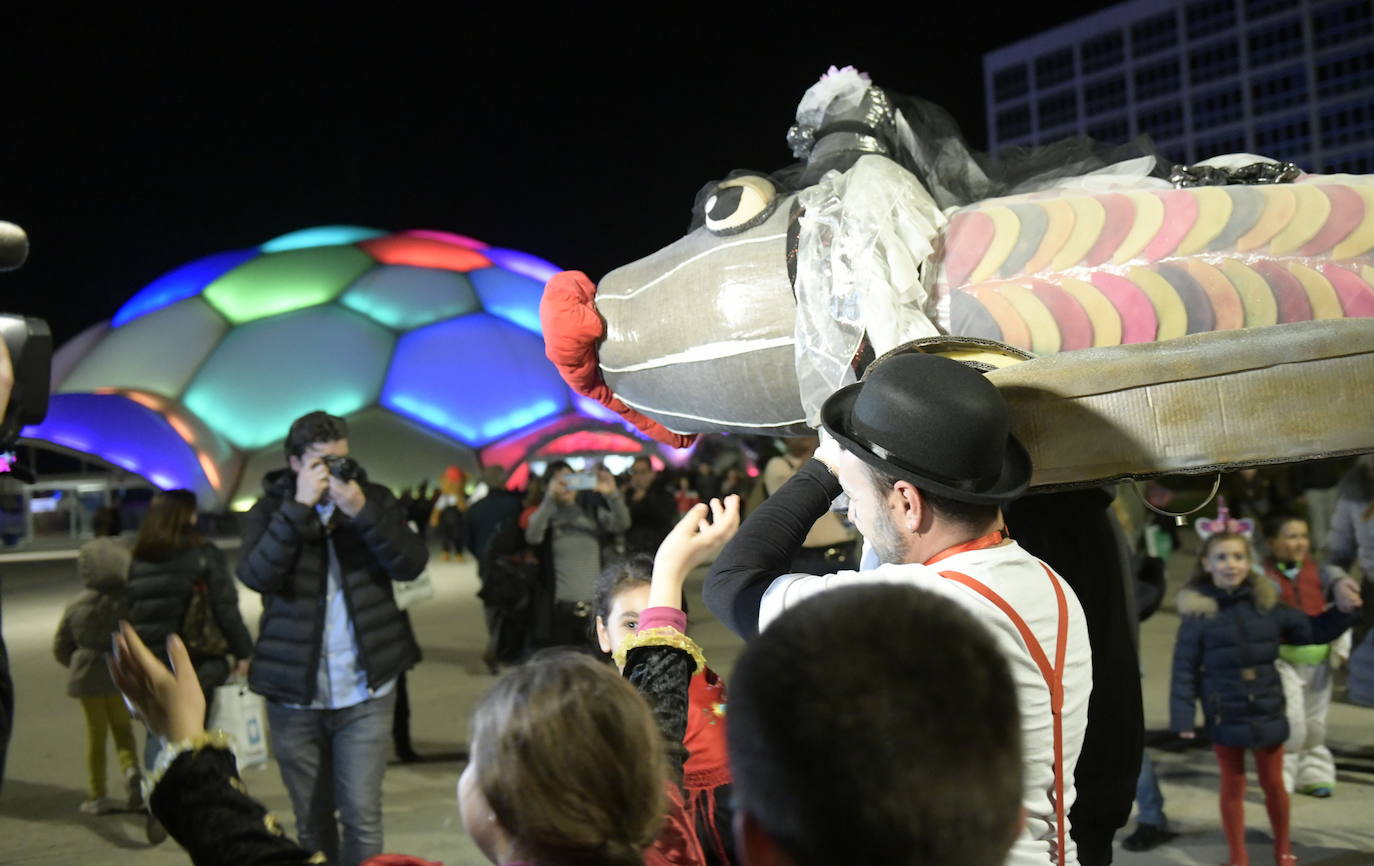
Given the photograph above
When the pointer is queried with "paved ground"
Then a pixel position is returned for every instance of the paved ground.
(39, 822)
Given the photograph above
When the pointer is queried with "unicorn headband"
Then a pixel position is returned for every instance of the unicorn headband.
(1224, 522)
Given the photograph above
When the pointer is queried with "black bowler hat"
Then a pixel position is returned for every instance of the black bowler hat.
(935, 422)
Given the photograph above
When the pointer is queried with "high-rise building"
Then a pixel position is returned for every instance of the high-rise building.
(1290, 79)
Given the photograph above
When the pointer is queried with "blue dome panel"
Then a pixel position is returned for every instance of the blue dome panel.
(476, 378)
(122, 432)
(513, 297)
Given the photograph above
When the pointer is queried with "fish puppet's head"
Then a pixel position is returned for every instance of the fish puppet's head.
(741, 325)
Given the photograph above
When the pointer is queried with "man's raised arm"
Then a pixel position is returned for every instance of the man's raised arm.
(765, 545)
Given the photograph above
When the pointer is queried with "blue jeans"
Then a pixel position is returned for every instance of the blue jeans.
(334, 760)
(1149, 800)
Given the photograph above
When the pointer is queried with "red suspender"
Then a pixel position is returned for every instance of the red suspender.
(1054, 676)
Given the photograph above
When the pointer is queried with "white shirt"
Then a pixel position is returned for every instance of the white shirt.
(1020, 580)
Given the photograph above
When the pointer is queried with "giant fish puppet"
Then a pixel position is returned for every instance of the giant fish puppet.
(1170, 327)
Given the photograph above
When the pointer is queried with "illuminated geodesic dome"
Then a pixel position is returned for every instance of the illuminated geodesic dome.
(427, 342)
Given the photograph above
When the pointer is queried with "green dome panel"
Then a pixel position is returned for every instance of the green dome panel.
(281, 282)
(263, 376)
(404, 297)
(157, 353)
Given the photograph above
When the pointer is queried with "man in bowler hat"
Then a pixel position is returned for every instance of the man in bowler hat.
(923, 451)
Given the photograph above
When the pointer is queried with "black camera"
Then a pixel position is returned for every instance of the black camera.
(345, 469)
(29, 345)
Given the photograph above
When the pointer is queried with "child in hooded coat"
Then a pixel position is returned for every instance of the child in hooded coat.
(82, 643)
(1228, 638)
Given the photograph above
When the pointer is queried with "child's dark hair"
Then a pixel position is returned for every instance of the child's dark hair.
(620, 575)
(571, 762)
(900, 741)
(314, 427)
(1273, 524)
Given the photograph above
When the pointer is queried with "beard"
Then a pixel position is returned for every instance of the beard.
(887, 540)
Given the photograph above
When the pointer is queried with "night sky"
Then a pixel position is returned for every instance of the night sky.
(130, 147)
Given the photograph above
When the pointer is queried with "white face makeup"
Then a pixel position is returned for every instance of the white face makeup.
(869, 510)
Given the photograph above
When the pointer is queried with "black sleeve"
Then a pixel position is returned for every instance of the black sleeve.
(224, 601)
(662, 675)
(1325, 627)
(274, 534)
(383, 528)
(763, 549)
(204, 807)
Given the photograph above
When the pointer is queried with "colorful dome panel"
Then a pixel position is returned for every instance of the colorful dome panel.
(424, 252)
(404, 297)
(125, 434)
(68, 356)
(140, 355)
(282, 282)
(319, 236)
(179, 284)
(264, 375)
(427, 342)
(513, 297)
(509, 384)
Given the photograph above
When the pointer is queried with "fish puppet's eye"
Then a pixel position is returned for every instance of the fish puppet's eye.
(739, 203)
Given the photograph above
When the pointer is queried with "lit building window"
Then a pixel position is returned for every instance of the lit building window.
(1218, 107)
(1053, 68)
(1153, 35)
(1347, 124)
(1157, 79)
(1163, 122)
(1216, 60)
(1338, 23)
(1274, 42)
(1058, 109)
(1286, 138)
(1103, 52)
(1010, 83)
(1103, 95)
(1279, 90)
(1209, 16)
(1359, 162)
(1344, 73)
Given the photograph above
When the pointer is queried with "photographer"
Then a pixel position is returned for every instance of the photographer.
(579, 512)
(322, 546)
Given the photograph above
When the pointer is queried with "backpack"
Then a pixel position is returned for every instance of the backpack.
(199, 629)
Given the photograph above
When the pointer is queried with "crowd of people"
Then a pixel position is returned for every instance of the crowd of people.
(951, 647)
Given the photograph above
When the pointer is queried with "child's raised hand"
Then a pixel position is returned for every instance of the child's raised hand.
(695, 539)
(169, 702)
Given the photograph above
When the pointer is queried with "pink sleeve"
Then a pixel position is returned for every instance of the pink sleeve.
(658, 617)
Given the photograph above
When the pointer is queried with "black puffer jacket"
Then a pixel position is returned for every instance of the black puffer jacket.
(285, 557)
(160, 591)
(1227, 643)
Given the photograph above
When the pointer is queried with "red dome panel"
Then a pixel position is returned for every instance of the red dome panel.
(423, 253)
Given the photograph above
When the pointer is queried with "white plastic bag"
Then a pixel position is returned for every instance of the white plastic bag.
(411, 592)
(243, 716)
